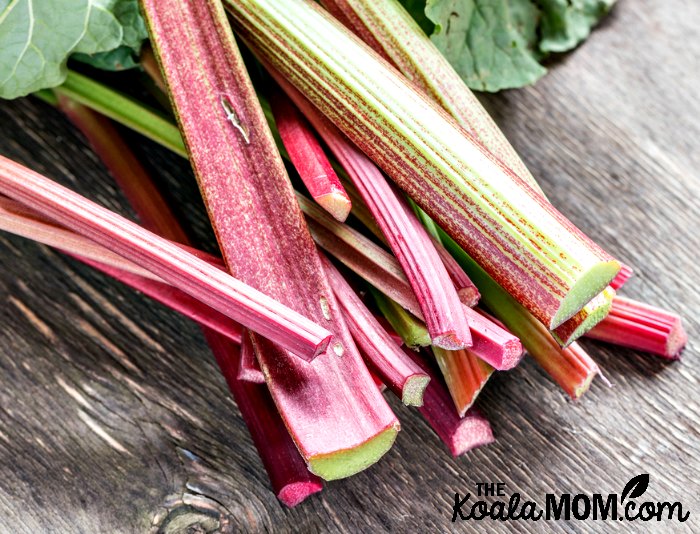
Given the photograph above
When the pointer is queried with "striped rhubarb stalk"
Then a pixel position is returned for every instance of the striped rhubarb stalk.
(263, 237)
(509, 228)
(459, 434)
(412, 246)
(228, 295)
(383, 356)
(465, 375)
(642, 327)
(491, 343)
(308, 158)
(467, 291)
(393, 33)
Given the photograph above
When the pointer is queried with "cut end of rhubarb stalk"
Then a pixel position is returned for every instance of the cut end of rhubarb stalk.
(584, 385)
(413, 390)
(451, 341)
(473, 431)
(593, 313)
(348, 462)
(296, 492)
(512, 354)
(338, 204)
(469, 296)
(677, 340)
(588, 285)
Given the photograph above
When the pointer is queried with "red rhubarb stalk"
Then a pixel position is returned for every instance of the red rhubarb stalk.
(493, 344)
(589, 316)
(382, 355)
(192, 275)
(412, 246)
(465, 375)
(291, 481)
(621, 277)
(642, 327)
(308, 158)
(248, 367)
(460, 434)
(467, 291)
(339, 421)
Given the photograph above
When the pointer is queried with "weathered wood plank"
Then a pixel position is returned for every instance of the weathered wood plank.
(114, 418)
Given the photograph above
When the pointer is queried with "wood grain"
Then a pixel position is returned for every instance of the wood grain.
(115, 419)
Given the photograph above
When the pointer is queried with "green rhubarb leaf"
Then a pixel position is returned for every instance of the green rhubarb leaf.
(488, 42)
(565, 23)
(126, 56)
(38, 36)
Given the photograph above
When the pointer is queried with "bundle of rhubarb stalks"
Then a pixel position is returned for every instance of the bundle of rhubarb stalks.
(417, 252)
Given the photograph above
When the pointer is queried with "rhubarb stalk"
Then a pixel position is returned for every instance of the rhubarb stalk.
(192, 275)
(460, 434)
(642, 327)
(390, 30)
(338, 419)
(382, 355)
(309, 159)
(465, 375)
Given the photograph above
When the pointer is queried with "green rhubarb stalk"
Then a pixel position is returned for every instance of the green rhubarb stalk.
(411, 329)
(339, 421)
(465, 375)
(123, 109)
(571, 367)
(391, 31)
(513, 233)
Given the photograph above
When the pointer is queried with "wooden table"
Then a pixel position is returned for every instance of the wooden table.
(115, 419)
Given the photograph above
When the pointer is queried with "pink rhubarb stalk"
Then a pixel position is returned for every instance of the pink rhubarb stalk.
(491, 343)
(248, 368)
(192, 275)
(382, 354)
(467, 291)
(17, 219)
(411, 244)
(308, 158)
(460, 434)
(642, 327)
(621, 277)
(339, 421)
(465, 375)
(291, 481)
